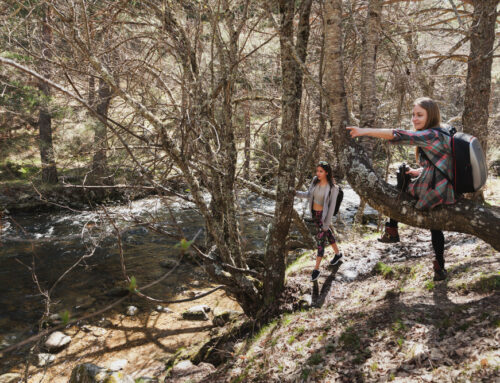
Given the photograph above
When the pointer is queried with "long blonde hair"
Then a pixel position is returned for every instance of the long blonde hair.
(433, 115)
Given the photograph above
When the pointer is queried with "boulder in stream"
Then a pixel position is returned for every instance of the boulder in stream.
(90, 373)
(57, 341)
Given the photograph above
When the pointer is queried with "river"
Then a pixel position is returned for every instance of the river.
(50, 242)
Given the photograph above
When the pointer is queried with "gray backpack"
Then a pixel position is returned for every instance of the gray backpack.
(470, 169)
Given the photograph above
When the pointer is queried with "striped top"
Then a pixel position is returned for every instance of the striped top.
(431, 188)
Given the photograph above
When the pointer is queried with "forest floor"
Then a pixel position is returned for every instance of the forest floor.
(393, 324)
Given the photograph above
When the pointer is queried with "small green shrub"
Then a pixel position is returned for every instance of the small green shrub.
(350, 339)
(315, 359)
(385, 270)
(429, 285)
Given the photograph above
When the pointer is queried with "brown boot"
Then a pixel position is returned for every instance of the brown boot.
(440, 273)
(390, 236)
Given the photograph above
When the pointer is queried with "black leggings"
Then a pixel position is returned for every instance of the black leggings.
(437, 238)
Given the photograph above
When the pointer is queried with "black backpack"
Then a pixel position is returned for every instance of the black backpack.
(340, 197)
(470, 170)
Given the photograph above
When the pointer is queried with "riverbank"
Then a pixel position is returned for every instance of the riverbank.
(139, 344)
(21, 196)
(388, 322)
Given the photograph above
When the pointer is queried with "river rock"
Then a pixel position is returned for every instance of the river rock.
(118, 365)
(57, 341)
(162, 309)
(84, 303)
(196, 313)
(54, 319)
(117, 292)
(305, 302)
(90, 373)
(43, 359)
(168, 263)
(187, 370)
(223, 316)
(132, 311)
(103, 322)
(10, 378)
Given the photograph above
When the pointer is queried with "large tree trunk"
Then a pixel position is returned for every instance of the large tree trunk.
(99, 162)
(478, 87)
(275, 258)
(368, 105)
(464, 216)
(49, 170)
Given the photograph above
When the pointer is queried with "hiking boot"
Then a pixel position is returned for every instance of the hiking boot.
(390, 235)
(440, 273)
(336, 259)
(315, 275)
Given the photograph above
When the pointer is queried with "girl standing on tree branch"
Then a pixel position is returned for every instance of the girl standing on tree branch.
(431, 187)
(322, 197)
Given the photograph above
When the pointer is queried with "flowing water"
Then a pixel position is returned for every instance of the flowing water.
(46, 244)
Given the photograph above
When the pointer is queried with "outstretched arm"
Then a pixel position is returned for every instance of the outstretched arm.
(386, 134)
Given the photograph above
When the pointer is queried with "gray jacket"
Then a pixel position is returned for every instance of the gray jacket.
(328, 204)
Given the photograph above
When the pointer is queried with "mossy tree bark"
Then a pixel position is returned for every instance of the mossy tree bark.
(47, 157)
(478, 86)
(292, 75)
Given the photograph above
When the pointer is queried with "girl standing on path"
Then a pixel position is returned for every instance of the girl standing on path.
(434, 155)
(322, 198)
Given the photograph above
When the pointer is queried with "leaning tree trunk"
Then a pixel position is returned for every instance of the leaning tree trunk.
(478, 87)
(49, 170)
(464, 216)
(275, 257)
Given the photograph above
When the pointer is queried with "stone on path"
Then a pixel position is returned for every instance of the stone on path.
(57, 341)
(43, 359)
(196, 313)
